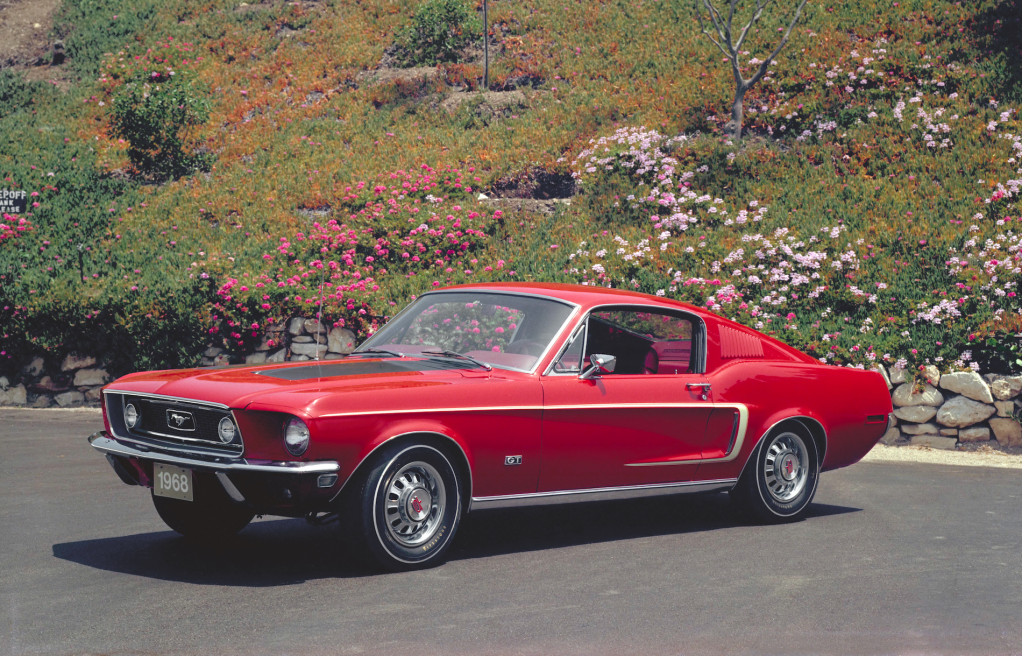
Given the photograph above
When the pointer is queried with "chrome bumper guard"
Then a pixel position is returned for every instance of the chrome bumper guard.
(103, 442)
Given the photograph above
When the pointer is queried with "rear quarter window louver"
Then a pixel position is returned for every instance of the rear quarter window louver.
(736, 344)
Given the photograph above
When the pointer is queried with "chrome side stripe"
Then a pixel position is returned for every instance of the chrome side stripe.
(600, 494)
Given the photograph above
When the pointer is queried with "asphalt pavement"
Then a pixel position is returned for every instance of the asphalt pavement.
(894, 558)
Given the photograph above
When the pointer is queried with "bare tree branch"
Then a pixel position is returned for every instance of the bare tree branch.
(721, 36)
(758, 10)
(704, 29)
(785, 39)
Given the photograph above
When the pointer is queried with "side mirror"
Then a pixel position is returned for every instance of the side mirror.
(600, 363)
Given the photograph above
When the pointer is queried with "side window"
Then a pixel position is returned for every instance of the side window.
(642, 340)
(570, 359)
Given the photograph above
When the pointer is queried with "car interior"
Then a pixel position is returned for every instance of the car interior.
(640, 341)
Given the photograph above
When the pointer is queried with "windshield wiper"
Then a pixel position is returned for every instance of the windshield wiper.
(459, 356)
(375, 351)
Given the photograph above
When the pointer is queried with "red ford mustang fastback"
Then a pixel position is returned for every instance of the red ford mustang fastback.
(493, 395)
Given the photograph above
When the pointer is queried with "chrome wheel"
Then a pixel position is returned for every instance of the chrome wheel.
(781, 476)
(786, 467)
(414, 504)
(405, 511)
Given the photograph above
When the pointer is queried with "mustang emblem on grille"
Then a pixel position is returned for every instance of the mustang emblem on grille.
(181, 420)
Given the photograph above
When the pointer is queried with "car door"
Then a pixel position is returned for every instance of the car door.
(646, 422)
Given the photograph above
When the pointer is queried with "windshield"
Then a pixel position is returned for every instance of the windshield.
(507, 331)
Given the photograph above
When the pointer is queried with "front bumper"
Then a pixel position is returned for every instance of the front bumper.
(274, 487)
(103, 442)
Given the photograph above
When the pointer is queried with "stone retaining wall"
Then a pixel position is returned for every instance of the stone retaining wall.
(77, 380)
(944, 411)
(955, 409)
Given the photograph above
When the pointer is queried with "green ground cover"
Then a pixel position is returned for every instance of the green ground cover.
(872, 212)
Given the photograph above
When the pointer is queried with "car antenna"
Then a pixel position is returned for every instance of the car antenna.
(319, 314)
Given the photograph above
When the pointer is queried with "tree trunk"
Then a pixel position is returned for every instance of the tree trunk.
(735, 125)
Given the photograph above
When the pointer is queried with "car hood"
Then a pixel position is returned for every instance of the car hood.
(298, 386)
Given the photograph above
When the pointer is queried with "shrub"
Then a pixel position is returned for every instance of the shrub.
(153, 113)
(440, 30)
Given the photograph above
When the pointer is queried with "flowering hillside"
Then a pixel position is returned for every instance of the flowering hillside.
(218, 166)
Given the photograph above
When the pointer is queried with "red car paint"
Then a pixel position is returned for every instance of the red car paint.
(566, 433)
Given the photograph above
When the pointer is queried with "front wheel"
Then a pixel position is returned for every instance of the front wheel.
(408, 508)
(779, 482)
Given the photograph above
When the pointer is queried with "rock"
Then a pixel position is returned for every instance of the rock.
(47, 384)
(977, 434)
(904, 396)
(897, 376)
(310, 350)
(73, 362)
(68, 399)
(931, 374)
(341, 340)
(885, 374)
(949, 432)
(302, 339)
(278, 356)
(967, 383)
(934, 441)
(91, 378)
(41, 401)
(1004, 408)
(296, 326)
(212, 352)
(4, 384)
(222, 360)
(892, 437)
(270, 341)
(1005, 388)
(916, 413)
(313, 327)
(920, 429)
(35, 368)
(961, 411)
(259, 357)
(17, 395)
(94, 395)
(1007, 431)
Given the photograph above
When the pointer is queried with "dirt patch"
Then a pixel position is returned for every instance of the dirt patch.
(979, 458)
(537, 184)
(526, 205)
(489, 104)
(24, 32)
(25, 41)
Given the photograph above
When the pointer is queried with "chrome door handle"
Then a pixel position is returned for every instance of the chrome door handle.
(703, 388)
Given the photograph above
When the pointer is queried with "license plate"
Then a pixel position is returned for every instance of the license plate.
(172, 482)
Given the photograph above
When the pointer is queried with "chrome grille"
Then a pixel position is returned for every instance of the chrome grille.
(171, 424)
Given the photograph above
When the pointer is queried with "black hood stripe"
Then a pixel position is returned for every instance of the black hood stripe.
(359, 368)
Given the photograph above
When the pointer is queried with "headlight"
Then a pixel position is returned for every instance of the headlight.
(131, 416)
(226, 430)
(296, 436)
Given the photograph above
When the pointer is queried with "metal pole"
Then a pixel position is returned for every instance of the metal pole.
(486, 53)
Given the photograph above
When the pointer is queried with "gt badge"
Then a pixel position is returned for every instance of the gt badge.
(513, 460)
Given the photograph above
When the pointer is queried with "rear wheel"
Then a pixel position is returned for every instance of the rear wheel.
(407, 508)
(779, 482)
(211, 516)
